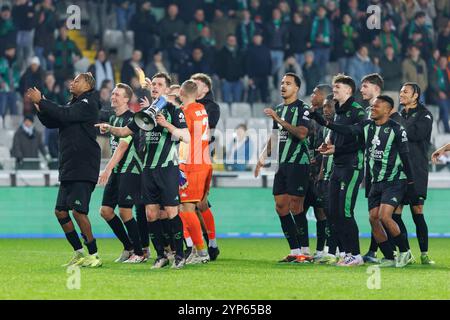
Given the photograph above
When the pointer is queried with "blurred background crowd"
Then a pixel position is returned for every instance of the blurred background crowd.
(244, 45)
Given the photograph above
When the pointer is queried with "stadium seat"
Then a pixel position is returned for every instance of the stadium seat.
(7, 138)
(224, 110)
(116, 39)
(257, 123)
(12, 121)
(241, 110)
(232, 123)
(258, 108)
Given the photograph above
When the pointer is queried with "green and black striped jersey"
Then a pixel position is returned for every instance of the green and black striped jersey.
(291, 149)
(327, 160)
(383, 146)
(130, 162)
(161, 149)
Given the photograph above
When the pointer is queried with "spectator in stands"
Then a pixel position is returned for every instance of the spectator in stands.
(240, 151)
(321, 39)
(256, 10)
(61, 56)
(347, 35)
(178, 55)
(415, 69)
(298, 40)
(285, 10)
(9, 81)
(207, 43)
(429, 9)
(197, 64)
(360, 64)
(291, 65)
(258, 67)
(128, 67)
(443, 42)
(276, 38)
(188, 8)
(33, 77)
(45, 29)
(221, 27)
(105, 113)
(24, 20)
(388, 37)
(230, 69)
(409, 10)
(170, 26)
(311, 72)
(27, 143)
(51, 90)
(196, 25)
(145, 29)
(156, 65)
(440, 85)
(375, 49)
(418, 33)
(391, 69)
(8, 31)
(246, 30)
(102, 69)
(124, 11)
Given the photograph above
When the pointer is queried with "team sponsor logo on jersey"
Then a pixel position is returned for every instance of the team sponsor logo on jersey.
(404, 136)
(387, 130)
(305, 115)
(428, 116)
(85, 100)
(374, 153)
(283, 135)
(153, 137)
(348, 114)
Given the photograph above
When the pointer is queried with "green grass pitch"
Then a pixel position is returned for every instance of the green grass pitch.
(246, 269)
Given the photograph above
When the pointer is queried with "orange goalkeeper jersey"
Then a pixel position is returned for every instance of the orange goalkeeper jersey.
(195, 155)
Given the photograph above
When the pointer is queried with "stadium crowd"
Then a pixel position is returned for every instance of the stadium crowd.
(245, 45)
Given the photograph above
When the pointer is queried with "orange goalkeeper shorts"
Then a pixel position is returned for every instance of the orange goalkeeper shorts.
(198, 185)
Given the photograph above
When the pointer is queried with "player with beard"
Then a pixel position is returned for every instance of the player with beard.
(290, 120)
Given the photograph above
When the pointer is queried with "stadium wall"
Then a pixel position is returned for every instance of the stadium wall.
(27, 212)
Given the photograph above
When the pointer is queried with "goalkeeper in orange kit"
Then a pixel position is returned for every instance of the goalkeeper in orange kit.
(196, 165)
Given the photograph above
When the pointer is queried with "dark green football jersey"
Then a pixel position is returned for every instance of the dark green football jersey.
(291, 149)
(130, 162)
(161, 148)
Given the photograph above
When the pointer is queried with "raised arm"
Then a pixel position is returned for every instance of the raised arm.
(301, 132)
(120, 132)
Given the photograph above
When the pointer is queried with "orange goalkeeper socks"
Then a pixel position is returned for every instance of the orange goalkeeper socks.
(194, 228)
(208, 218)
